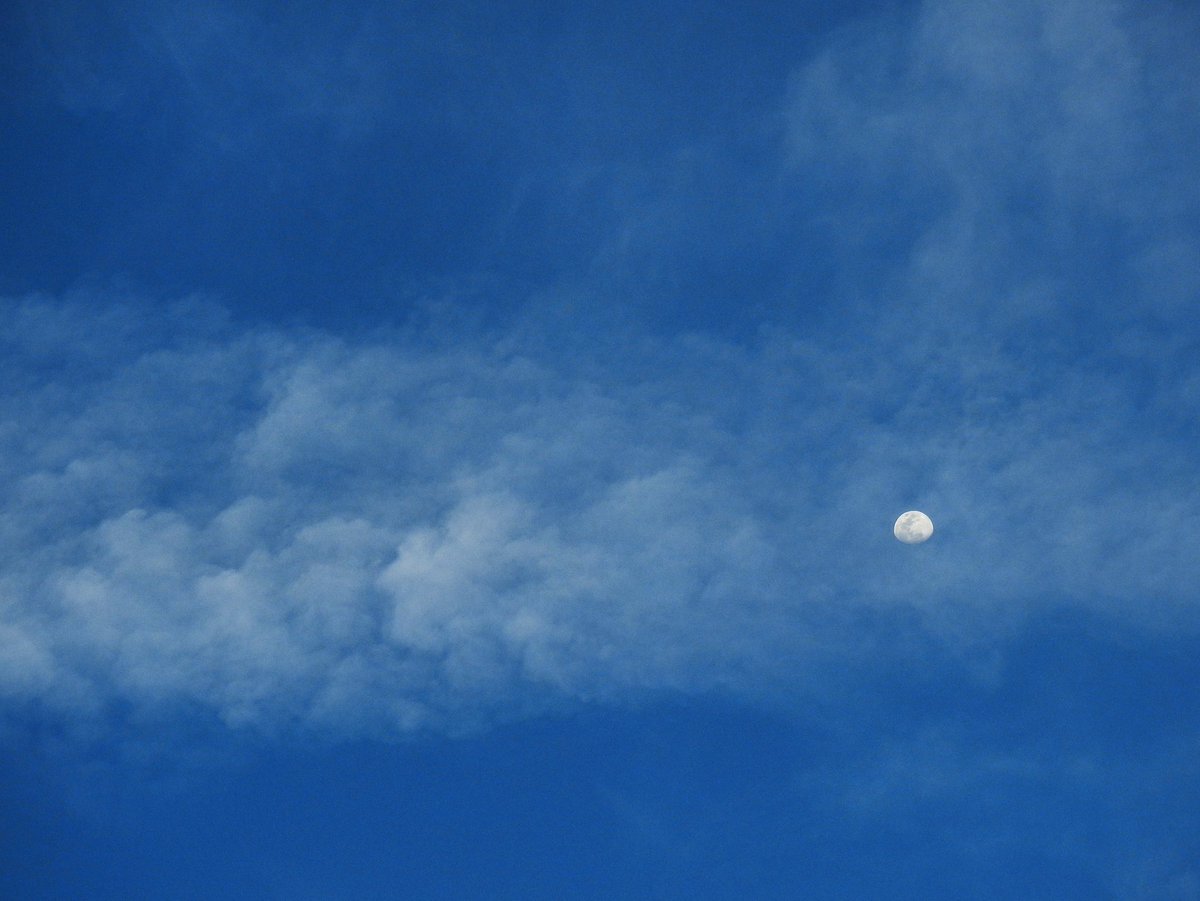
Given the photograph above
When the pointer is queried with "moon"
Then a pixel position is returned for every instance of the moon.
(913, 527)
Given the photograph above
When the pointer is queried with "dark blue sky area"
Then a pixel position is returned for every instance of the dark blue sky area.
(304, 162)
(1043, 788)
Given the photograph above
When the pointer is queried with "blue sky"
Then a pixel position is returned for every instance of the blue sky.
(451, 451)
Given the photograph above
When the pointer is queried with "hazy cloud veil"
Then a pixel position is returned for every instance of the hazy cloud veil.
(413, 530)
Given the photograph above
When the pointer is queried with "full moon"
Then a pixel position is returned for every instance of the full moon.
(913, 527)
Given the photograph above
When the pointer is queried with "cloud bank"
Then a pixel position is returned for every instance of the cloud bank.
(412, 533)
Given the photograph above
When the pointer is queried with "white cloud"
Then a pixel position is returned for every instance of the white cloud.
(408, 532)
(392, 533)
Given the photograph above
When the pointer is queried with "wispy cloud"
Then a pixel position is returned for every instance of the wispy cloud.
(1003, 148)
(235, 71)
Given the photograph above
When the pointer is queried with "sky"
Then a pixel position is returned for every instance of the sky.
(451, 450)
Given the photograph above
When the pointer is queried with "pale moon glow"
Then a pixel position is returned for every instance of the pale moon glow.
(913, 527)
